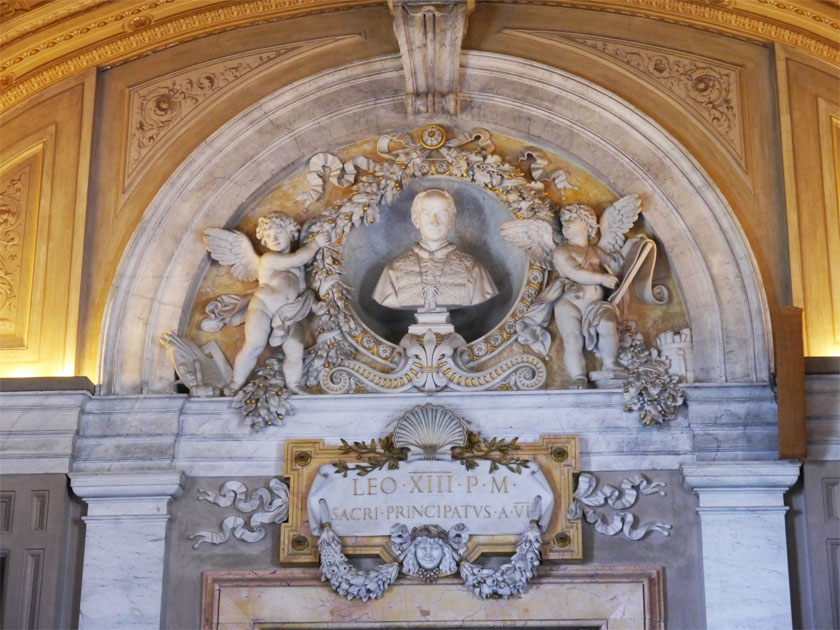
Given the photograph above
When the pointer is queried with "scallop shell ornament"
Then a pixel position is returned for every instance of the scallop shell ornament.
(430, 432)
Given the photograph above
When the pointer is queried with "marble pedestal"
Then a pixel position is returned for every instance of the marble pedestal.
(745, 564)
(125, 545)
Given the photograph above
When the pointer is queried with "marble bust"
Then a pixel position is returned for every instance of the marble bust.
(433, 275)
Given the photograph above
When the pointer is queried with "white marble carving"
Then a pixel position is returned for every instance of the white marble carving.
(430, 34)
(512, 577)
(430, 432)
(326, 167)
(649, 388)
(275, 510)
(344, 578)
(677, 347)
(341, 334)
(429, 552)
(588, 496)
(420, 491)
(428, 468)
(691, 219)
(585, 319)
(432, 364)
(280, 301)
(539, 168)
(205, 370)
(434, 275)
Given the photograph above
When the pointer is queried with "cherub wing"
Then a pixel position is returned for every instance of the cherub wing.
(617, 219)
(231, 247)
(534, 235)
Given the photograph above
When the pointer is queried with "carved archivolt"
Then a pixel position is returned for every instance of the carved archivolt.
(708, 88)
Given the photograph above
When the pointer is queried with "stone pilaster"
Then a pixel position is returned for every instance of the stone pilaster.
(125, 545)
(745, 564)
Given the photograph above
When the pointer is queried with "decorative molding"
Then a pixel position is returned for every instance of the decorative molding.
(20, 233)
(109, 37)
(10, 8)
(619, 596)
(159, 107)
(275, 510)
(430, 36)
(588, 496)
(707, 87)
(13, 192)
(509, 579)
(143, 34)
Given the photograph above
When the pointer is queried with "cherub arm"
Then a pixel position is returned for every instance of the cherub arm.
(571, 269)
(301, 256)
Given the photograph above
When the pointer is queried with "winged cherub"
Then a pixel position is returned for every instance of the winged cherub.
(587, 271)
(281, 300)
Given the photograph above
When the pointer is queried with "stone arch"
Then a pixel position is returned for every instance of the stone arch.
(707, 250)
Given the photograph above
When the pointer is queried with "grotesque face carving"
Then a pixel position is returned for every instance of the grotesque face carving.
(429, 552)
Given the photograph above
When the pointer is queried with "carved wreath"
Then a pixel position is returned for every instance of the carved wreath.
(429, 552)
(339, 332)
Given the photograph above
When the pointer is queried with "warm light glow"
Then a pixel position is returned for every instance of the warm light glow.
(822, 348)
(32, 370)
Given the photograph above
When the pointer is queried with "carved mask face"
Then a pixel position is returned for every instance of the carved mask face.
(276, 240)
(433, 219)
(429, 553)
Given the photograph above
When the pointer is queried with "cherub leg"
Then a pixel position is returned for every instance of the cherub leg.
(257, 329)
(608, 341)
(293, 361)
(568, 319)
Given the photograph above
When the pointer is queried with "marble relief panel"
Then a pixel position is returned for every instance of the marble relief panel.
(592, 597)
(366, 249)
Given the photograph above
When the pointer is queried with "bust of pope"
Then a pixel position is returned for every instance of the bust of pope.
(433, 274)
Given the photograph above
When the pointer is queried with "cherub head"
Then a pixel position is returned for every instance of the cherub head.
(575, 218)
(433, 212)
(429, 554)
(276, 231)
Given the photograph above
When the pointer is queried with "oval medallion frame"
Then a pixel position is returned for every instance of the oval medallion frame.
(340, 330)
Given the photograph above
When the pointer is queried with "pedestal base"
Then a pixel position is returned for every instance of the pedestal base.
(608, 379)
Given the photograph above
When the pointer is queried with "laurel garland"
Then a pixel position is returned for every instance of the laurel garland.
(383, 453)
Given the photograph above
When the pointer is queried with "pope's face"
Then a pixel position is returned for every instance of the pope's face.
(432, 219)
(429, 554)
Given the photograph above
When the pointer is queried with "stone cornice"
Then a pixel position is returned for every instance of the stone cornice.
(55, 40)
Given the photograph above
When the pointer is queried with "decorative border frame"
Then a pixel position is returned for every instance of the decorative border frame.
(557, 455)
(649, 578)
(372, 184)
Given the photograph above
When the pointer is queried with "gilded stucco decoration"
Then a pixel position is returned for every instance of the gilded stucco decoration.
(12, 191)
(38, 55)
(709, 88)
(158, 107)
